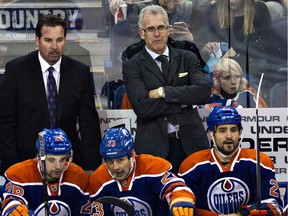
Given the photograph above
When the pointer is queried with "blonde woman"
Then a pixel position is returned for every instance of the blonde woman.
(246, 26)
(229, 83)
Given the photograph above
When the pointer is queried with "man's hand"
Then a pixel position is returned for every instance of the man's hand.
(180, 31)
(19, 210)
(156, 93)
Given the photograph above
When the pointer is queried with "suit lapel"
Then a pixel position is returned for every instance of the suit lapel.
(173, 64)
(38, 83)
(151, 65)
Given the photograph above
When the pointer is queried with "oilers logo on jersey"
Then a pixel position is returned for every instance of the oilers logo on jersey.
(141, 207)
(56, 207)
(226, 194)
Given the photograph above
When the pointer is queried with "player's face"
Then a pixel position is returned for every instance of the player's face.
(227, 138)
(52, 43)
(55, 165)
(155, 41)
(230, 82)
(119, 168)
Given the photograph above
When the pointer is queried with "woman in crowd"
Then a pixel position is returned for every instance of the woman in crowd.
(246, 27)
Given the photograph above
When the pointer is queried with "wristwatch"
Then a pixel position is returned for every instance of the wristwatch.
(160, 92)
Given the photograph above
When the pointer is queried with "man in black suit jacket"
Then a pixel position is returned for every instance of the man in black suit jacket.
(168, 124)
(24, 108)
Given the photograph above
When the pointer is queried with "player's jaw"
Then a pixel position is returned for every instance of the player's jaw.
(54, 175)
(227, 147)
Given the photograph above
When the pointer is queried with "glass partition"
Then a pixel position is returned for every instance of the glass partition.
(98, 39)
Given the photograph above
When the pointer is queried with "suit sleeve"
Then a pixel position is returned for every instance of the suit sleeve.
(8, 98)
(140, 77)
(196, 90)
(137, 91)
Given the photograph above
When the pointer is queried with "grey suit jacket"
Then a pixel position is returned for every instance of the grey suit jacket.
(24, 112)
(186, 85)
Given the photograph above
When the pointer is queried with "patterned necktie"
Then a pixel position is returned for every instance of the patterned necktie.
(164, 65)
(52, 98)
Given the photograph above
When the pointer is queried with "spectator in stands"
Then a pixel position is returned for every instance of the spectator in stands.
(230, 83)
(179, 13)
(125, 33)
(223, 178)
(104, 32)
(66, 183)
(245, 25)
(142, 180)
(168, 125)
(109, 9)
(24, 104)
(278, 14)
(276, 9)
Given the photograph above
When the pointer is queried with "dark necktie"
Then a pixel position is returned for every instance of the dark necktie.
(52, 98)
(164, 65)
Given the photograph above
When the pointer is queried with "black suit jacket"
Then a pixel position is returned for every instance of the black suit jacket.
(186, 86)
(24, 112)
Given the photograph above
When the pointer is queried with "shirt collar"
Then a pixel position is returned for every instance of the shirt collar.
(44, 65)
(155, 55)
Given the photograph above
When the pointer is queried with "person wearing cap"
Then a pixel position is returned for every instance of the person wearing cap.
(142, 180)
(224, 178)
(67, 183)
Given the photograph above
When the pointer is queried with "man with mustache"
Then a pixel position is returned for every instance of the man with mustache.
(223, 178)
(25, 95)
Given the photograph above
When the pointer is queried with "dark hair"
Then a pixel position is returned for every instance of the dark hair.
(50, 20)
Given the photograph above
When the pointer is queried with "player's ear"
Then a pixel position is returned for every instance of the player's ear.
(133, 153)
(209, 134)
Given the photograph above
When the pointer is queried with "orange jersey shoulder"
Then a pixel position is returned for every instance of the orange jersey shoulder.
(24, 172)
(99, 177)
(76, 175)
(195, 158)
(251, 153)
(150, 164)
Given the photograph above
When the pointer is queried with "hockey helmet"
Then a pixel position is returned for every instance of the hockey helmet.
(56, 142)
(223, 115)
(116, 143)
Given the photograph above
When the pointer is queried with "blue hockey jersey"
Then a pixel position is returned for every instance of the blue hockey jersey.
(221, 189)
(149, 188)
(68, 197)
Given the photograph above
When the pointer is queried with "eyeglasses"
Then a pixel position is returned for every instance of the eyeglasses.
(152, 30)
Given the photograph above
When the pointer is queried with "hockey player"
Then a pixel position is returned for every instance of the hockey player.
(66, 182)
(224, 178)
(142, 180)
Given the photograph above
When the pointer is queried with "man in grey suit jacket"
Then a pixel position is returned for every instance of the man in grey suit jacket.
(168, 124)
(23, 98)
